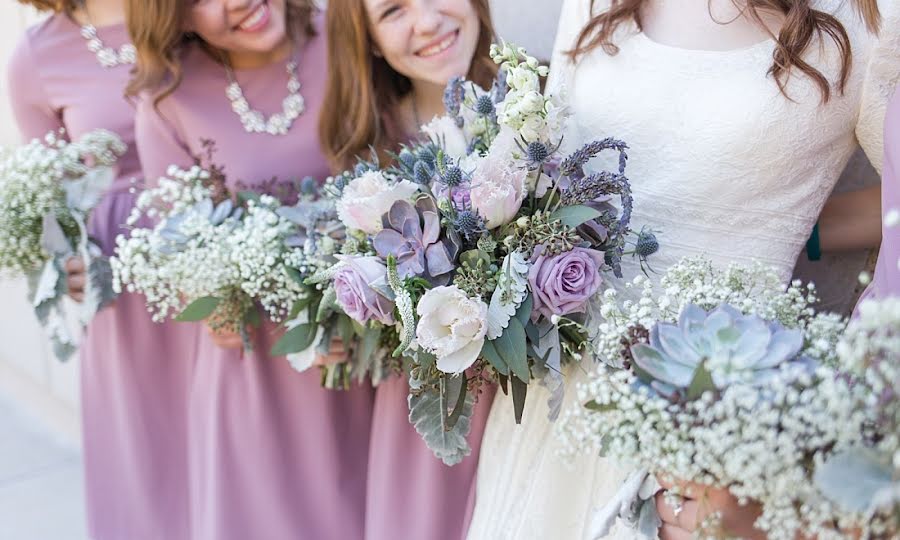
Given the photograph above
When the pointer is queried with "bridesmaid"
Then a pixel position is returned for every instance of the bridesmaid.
(886, 281)
(69, 72)
(405, 52)
(272, 455)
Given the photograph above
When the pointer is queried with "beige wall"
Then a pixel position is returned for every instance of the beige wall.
(28, 372)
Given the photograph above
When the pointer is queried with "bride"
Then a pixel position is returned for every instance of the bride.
(740, 116)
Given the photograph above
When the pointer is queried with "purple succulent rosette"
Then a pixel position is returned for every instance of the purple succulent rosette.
(412, 235)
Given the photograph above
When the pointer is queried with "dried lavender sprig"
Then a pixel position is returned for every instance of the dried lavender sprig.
(453, 98)
(572, 165)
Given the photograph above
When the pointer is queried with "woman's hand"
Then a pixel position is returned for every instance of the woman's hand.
(699, 503)
(336, 354)
(75, 277)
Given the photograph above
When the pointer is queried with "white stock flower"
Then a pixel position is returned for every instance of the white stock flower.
(451, 326)
(443, 131)
(368, 197)
(523, 79)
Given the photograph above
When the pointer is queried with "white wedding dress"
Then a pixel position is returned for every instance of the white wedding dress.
(721, 165)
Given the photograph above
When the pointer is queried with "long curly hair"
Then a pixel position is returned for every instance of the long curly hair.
(157, 31)
(363, 89)
(802, 24)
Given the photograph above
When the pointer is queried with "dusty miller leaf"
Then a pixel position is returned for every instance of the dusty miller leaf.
(512, 288)
(427, 411)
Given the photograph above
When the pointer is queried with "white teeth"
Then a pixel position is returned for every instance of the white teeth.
(440, 47)
(255, 18)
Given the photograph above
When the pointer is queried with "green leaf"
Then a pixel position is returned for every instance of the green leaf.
(574, 216)
(524, 311)
(299, 306)
(199, 309)
(427, 412)
(489, 352)
(519, 391)
(511, 347)
(244, 196)
(597, 407)
(533, 334)
(504, 384)
(253, 317)
(459, 406)
(702, 382)
(295, 275)
(370, 339)
(296, 340)
(345, 329)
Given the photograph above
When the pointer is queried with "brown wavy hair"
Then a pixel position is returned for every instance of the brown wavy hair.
(56, 6)
(363, 89)
(802, 24)
(157, 31)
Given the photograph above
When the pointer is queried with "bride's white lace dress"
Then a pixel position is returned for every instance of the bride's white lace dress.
(721, 164)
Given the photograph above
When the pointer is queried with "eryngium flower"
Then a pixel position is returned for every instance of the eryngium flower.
(731, 346)
(412, 234)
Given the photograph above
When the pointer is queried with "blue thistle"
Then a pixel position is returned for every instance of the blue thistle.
(407, 158)
(422, 173)
(427, 155)
(485, 106)
(361, 168)
(537, 152)
(308, 185)
(340, 182)
(469, 225)
(646, 244)
(453, 177)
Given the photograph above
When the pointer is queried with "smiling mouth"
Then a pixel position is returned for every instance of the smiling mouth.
(256, 19)
(440, 46)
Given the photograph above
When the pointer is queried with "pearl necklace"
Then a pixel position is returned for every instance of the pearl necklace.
(254, 121)
(107, 56)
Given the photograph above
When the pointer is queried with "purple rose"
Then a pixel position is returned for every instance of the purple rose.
(356, 284)
(563, 283)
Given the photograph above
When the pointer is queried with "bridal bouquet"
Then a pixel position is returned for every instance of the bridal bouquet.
(720, 378)
(864, 480)
(204, 254)
(47, 190)
(480, 249)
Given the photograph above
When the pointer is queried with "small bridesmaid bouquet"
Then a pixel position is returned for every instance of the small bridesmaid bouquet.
(864, 480)
(47, 191)
(476, 255)
(200, 253)
(724, 379)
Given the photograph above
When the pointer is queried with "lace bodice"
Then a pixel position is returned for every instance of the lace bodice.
(721, 164)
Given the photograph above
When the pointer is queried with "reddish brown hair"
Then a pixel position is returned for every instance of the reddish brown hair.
(157, 31)
(363, 89)
(52, 5)
(802, 24)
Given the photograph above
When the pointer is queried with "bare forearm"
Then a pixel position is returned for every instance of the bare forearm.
(851, 220)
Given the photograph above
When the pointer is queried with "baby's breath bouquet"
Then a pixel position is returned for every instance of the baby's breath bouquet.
(864, 480)
(476, 253)
(47, 190)
(199, 252)
(723, 378)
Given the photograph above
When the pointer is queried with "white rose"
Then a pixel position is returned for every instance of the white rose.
(498, 189)
(443, 131)
(368, 197)
(452, 326)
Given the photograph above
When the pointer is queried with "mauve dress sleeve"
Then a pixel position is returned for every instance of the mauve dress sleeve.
(157, 140)
(31, 106)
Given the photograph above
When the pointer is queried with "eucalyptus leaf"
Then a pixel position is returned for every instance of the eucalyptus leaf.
(511, 347)
(574, 216)
(524, 311)
(370, 339)
(519, 392)
(489, 352)
(295, 340)
(345, 329)
(199, 309)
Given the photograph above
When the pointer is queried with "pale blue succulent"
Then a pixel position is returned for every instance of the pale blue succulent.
(172, 230)
(712, 350)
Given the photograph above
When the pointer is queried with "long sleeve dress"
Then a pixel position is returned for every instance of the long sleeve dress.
(721, 165)
(273, 455)
(134, 372)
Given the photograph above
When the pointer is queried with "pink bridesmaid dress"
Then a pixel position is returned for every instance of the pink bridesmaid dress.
(412, 495)
(134, 373)
(886, 281)
(273, 456)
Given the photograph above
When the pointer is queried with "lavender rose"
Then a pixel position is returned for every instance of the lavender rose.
(356, 284)
(562, 284)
